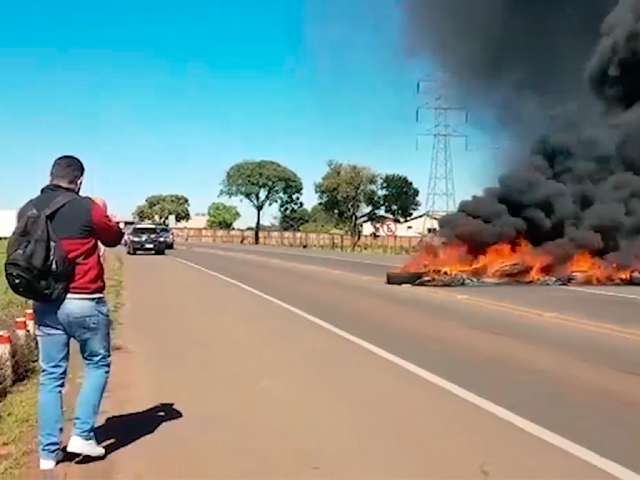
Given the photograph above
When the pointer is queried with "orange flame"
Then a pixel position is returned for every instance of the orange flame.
(519, 262)
(594, 270)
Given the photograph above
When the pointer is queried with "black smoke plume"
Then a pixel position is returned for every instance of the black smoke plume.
(577, 190)
(521, 60)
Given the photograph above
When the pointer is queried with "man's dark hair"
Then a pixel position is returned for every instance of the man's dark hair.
(67, 170)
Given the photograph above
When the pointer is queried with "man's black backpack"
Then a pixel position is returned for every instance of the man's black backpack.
(37, 267)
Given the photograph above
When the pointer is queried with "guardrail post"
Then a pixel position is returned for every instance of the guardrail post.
(21, 328)
(30, 318)
(5, 357)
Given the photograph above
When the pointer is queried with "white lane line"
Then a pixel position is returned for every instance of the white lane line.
(602, 292)
(298, 254)
(554, 439)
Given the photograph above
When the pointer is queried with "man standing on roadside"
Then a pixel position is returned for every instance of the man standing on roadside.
(79, 226)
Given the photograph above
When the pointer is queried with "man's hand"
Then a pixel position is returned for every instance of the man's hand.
(106, 226)
(103, 203)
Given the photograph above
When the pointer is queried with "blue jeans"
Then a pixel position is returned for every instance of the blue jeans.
(86, 321)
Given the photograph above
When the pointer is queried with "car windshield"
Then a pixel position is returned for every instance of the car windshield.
(144, 231)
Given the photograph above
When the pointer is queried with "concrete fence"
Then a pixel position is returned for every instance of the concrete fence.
(326, 241)
(18, 352)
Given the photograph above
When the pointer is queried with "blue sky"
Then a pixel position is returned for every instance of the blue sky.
(162, 97)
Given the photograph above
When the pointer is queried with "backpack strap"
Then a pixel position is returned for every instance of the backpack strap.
(58, 202)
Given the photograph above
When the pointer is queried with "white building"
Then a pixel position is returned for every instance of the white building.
(415, 227)
(8, 220)
(197, 221)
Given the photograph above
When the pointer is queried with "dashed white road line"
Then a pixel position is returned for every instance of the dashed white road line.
(558, 441)
(602, 292)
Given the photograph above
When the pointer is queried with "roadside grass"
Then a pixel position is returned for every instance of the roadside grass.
(364, 248)
(17, 425)
(115, 284)
(361, 249)
(371, 251)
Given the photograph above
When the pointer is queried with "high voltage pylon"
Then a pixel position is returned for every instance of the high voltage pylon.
(441, 188)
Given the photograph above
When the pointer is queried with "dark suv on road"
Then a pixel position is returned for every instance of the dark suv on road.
(145, 238)
(167, 235)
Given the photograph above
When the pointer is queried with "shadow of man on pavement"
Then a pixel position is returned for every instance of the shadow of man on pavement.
(120, 431)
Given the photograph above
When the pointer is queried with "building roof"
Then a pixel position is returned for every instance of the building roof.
(417, 217)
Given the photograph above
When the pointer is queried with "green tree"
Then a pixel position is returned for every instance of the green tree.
(398, 197)
(318, 215)
(349, 194)
(292, 219)
(262, 183)
(222, 215)
(319, 221)
(158, 208)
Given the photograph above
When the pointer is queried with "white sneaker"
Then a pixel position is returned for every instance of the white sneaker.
(49, 464)
(80, 446)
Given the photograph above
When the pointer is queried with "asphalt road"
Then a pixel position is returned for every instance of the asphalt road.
(294, 364)
(565, 358)
(607, 305)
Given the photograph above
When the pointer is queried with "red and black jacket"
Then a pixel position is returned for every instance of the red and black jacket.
(79, 225)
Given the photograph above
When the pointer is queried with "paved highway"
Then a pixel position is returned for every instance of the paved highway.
(295, 364)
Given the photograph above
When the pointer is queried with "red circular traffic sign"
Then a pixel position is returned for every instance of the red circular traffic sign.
(389, 227)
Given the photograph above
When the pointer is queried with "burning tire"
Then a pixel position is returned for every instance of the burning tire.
(403, 278)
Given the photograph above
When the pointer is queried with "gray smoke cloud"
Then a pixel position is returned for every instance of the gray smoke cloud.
(614, 70)
(522, 61)
(578, 189)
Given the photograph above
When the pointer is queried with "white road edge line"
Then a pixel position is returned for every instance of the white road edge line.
(554, 439)
(602, 292)
(298, 254)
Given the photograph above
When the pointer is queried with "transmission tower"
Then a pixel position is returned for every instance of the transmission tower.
(441, 189)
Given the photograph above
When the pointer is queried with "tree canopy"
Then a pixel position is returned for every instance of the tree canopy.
(262, 183)
(353, 194)
(348, 193)
(221, 215)
(319, 221)
(292, 219)
(158, 208)
(398, 196)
